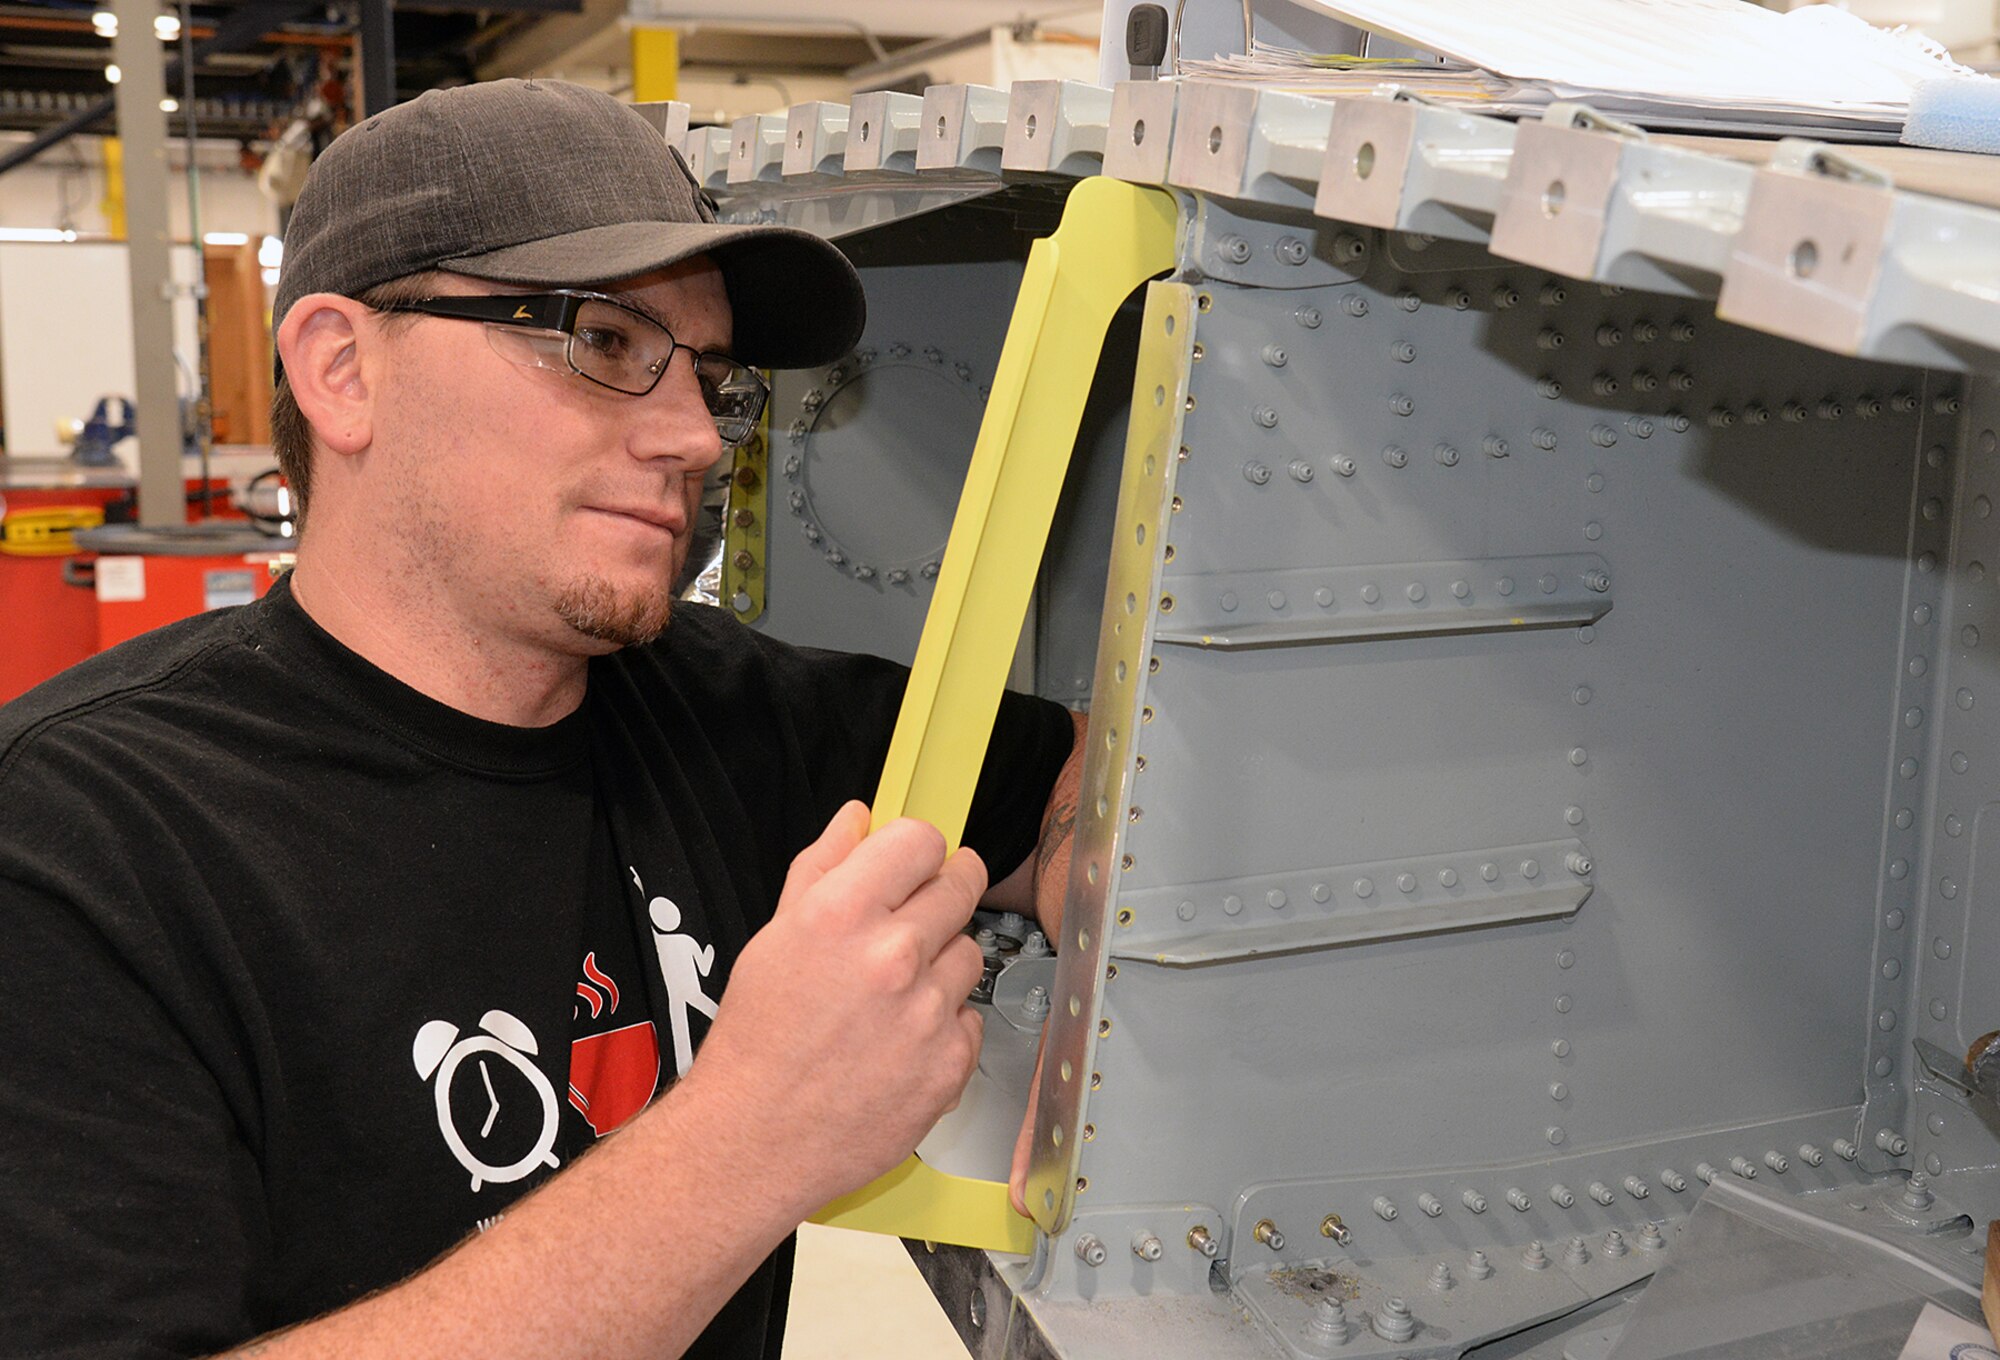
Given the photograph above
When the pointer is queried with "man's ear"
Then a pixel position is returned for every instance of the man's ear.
(320, 343)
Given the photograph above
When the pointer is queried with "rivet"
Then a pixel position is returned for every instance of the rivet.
(1474, 1201)
(1845, 1150)
(1308, 317)
(1573, 815)
(1228, 601)
(1430, 1204)
(1908, 767)
(1935, 1124)
(1446, 455)
(1533, 1257)
(1185, 911)
(1566, 958)
(1370, 594)
(1576, 1254)
(1489, 872)
(1275, 599)
(1948, 888)
(1459, 299)
(1777, 1161)
(1408, 300)
(1543, 438)
(1342, 465)
(1233, 248)
(1323, 597)
(1460, 589)
(1403, 351)
(1504, 297)
(1741, 1166)
(1530, 869)
(1548, 585)
(1401, 404)
(1593, 531)
(1550, 338)
(1893, 918)
(1969, 635)
(1645, 380)
(1256, 473)
(1828, 409)
(1965, 698)
(1494, 446)
(1578, 756)
(1891, 1142)
(1639, 427)
(1291, 250)
(1682, 332)
(1603, 436)
(1553, 294)
(1518, 1198)
(1505, 585)
(1811, 1155)
(1941, 947)
(1551, 388)
(1274, 355)
(1563, 1004)
(1301, 470)
(1556, 1135)
(1604, 385)
(1364, 888)
(1680, 380)
(1885, 1020)
(1395, 457)
(1321, 892)
(1385, 1209)
(1938, 1009)
(1959, 762)
(1415, 592)
(1721, 417)
(1448, 877)
(1677, 422)
(1355, 305)
(1232, 905)
(1276, 899)
(1558, 1091)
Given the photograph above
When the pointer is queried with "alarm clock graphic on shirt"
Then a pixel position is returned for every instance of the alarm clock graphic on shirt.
(496, 1110)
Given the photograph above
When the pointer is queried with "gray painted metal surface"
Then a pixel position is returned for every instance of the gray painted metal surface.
(1563, 743)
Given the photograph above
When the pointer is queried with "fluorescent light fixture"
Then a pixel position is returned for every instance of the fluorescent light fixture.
(167, 27)
(270, 278)
(112, 74)
(35, 234)
(271, 253)
(170, 106)
(105, 23)
(224, 238)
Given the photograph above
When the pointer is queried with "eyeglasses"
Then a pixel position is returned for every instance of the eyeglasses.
(609, 343)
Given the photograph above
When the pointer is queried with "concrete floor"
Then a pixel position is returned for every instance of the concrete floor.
(856, 1296)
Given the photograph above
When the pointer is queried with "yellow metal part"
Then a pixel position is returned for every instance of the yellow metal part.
(743, 555)
(113, 203)
(656, 64)
(48, 531)
(1113, 237)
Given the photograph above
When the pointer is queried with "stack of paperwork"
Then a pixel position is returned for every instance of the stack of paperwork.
(1713, 65)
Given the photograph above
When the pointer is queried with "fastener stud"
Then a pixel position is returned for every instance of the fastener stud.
(1440, 1278)
(1474, 1201)
(1430, 1204)
(1519, 1199)
(1577, 862)
(1891, 1142)
(1301, 470)
(1917, 1192)
(1651, 1238)
(1385, 1209)
(1275, 356)
(1845, 1150)
(1089, 1250)
(1637, 1188)
(1267, 1232)
(1534, 1258)
(1342, 465)
(1577, 1253)
(1256, 474)
(1811, 1155)
(1200, 1239)
(1478, 1267)
(1146, 1247)
(1601, 1192)
(1393, 1321)
(1329, 1326)
(1562, 1196)
(1233, 248)
(1614, 1244)
(1673, 1180)
(1706, 1174)
(1777, 1161)
(1741, 1166)
(1265, 416)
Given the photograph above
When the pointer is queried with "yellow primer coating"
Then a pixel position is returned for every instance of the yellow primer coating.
(1113, 237)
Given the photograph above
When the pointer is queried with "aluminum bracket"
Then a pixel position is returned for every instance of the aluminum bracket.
(1141, 135)
(1056, 127)
(1397, 162)
(963, 127)
(1238, 141)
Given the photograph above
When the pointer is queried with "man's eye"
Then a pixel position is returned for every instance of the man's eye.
(602, 339)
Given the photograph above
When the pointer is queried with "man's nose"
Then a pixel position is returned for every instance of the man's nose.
(677, 423)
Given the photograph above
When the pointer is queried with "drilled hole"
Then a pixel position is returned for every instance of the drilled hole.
(1364, 161)
(1124, 916)
(1066, 1070)
(1554, 197)
(864, 132)
(940, 127)
(1076, 1005)
(799, 139)
(1031, 127)
(1214, 140)
(1805, 259)
(1082, 1184)
(1138, 131)
(1103, 1027)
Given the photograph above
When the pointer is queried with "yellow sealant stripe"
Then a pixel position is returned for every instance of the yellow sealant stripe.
(1114, 236)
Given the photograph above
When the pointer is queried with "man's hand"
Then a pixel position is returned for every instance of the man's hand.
(844, 1032)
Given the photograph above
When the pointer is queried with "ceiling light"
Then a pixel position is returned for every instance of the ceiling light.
(170, 106)
(271, 253)
(35, 234)
(167, 27)
(112, 74)
(224, 238)
(105, 23)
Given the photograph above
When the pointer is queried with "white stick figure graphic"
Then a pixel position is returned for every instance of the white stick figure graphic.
(683, 964)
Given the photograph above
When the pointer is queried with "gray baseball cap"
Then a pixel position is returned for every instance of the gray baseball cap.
(552, 185)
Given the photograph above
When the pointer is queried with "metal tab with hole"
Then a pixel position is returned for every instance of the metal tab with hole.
(815, 142)
(882, 131)
(1559, 184)
(1315, 908)
(1403, 164)
(1141, 135)
(1238, 141)
(1056, 127)
(706, 151)
(962, 128)
(669, 116)
(756, 149)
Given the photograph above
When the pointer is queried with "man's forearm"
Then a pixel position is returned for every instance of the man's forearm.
(628, 1253)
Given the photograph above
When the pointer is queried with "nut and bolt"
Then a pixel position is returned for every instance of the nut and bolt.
(1829, 409)
(1917, 1192)
(1307, 317)
(1721, 417)
(1614, 1244)
(1233, 248)
(1474, 1201)
(1266, 416)
(1644, 381)
(1576, 1254)
(1550, 338)
(1845, 1150)
(743, 561)
(1601, 1192)
(1603, 436)
(1519, 1199)
(1562, 1196)
(1534, 1258)
(1811, 1155)
(1354, 305)
(1504, 297)
(1554, 294)
(1035, 946)
(1777, 1161)
(1403, 352)
(1329, 1326)
(1637, 1188)
(1146, 1246)
(1331, 1226)
(1430, 1204)
(1267, 1232)
(1446, 455)
(1551, 388)
(1493, 446)
(1544, 439)
(1651, 1238)
(1891, 1142)
(1478, 1267)
(1644, 332)
(1395, 457)
(1682, 332)
(1609, 335)
(1576, 861)
(1275, 355)
(1393, 1321)
(1291, 250)
(1599, 582)
(1440, 1278)
(1347, 246)
(1385, 1209)
(1342, 465)
(1089, 1250)
(1402, 405)
(1202, 1241)
(1301, 470)
(1741, 1166)
(1673, 1180)
(1706, 1174)
(1256, 473)
(1036, 1005)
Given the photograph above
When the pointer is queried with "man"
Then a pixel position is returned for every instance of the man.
(338, 923)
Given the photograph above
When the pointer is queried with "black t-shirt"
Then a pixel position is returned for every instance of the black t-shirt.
(304, 976)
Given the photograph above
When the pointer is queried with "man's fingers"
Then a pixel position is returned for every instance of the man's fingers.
(888, 866)
(835, 844)
(938, 910)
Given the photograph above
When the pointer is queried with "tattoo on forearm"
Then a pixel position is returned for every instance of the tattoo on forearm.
(1055, 834)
